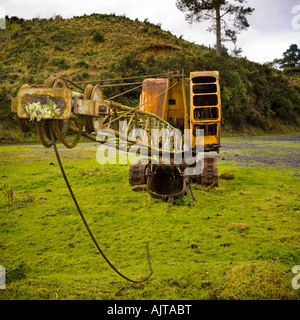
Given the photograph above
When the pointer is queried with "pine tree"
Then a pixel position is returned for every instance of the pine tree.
(216, 10)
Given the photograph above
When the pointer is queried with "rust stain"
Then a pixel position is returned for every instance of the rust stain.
(60, 96)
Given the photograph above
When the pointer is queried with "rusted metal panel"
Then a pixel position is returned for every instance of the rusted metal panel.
(61, 97)
(175, 107)
(84, 107)
(150, 89)
(90, 107)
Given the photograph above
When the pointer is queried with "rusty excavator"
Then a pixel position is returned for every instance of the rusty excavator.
(166, 103)
(170, 105)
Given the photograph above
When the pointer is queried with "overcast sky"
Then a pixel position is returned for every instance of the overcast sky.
(274, 25)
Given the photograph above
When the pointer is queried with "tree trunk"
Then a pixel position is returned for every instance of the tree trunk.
(218, 31)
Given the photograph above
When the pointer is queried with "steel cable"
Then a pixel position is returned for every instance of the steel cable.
(83, 218)
(120, 94)
(128, 78)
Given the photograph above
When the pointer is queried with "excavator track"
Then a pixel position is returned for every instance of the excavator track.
(209, 174)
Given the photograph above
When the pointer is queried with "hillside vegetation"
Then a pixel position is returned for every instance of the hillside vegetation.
(98, 46)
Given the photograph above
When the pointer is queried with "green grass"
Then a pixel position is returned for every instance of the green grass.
(238, 241)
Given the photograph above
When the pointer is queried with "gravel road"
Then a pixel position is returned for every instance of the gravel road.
(272, 151)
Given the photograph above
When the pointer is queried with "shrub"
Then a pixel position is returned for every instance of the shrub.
(98, 37)
(81, 64)
(60, 62)
(85, 75)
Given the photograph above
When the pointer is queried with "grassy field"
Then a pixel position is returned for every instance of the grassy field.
(239, 240)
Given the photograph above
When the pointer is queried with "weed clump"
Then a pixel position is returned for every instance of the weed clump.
(184, 201)
(8, 194)
(13, 200)
(15, 272)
